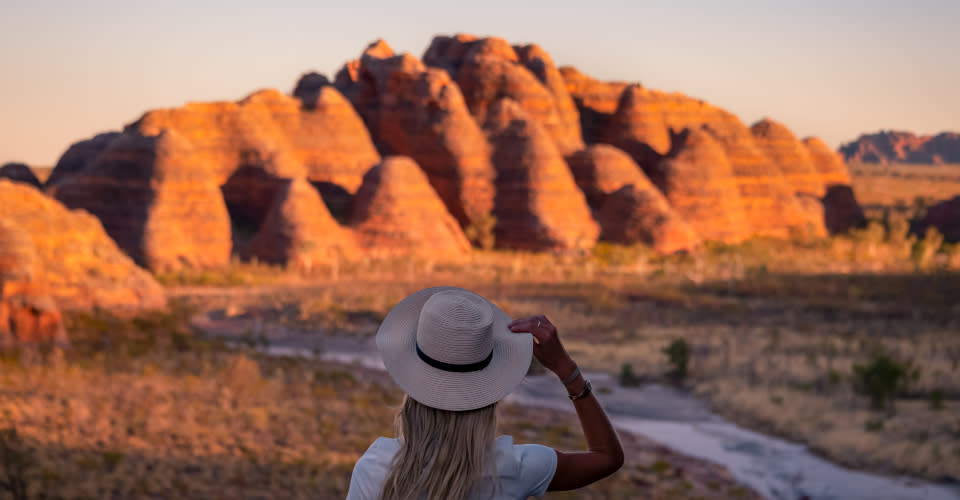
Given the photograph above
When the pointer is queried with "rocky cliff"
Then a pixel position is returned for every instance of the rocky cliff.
(475, 128)
(52, 258)
(895, 146)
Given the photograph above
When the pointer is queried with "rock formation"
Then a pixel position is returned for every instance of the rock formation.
(491, 125)
(601, 169)
(489, 69)
(641, 215)
(595, 100)
(841, 211)
(79, 155)
(27, 312)
(698, 181)
(20, 173)
(638, 126)
(299, 230)
(188, 186)
(419, 112)
(828, 162)
(904, 147)
(945, 216)
(538, 205)
(67, 254)
(790, 155)
(396, 211)
(642, 125)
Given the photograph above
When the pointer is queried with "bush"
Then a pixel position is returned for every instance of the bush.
(678, 353)
(881, 379)
(627, 377)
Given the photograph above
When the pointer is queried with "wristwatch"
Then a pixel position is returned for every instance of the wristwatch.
(587, 389)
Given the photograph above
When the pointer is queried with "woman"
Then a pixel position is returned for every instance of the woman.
(455, 355)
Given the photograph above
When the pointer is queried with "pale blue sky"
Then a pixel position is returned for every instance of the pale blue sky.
(829, 68)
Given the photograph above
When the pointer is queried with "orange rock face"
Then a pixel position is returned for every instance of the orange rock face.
(20, 173)
(419, 112)
(641, 215)
(191, 185)
(538, 205)
(79, 155)
(68, 254)
(601, 169)
(790, 155)
(638, 126)
(396, 211)
(829, 163)
(698, 181)
(596, 101)
(488, 69)
(629, 207)
(299, 230)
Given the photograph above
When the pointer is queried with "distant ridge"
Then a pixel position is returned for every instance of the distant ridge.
(896, 146)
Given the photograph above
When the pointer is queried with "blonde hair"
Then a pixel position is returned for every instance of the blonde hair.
(443, 454)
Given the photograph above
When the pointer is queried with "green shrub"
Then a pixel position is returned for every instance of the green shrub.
(678, 353)
(627, 377)
(881, 378)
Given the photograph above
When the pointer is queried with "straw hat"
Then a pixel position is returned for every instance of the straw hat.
(450, 348)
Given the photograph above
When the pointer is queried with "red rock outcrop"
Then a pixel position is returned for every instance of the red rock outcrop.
(790, 155)
(567, 132)
(904, 147)
(596, 100)
(638, 126)
(641, 126)
(538, 205)
(641, 215)
(698, 181)
(601, 169)
(419, 112)
(308, 89)
(489, 69)
(19, 172)
(841, 211)
(630, 208)
(27, 312)
(188, 186)
(299, 230)
(68, 254)
(396, 211)
(79, 155)
(827, 162)
(945, 216)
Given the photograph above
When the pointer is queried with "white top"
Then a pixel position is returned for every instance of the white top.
(523, 470)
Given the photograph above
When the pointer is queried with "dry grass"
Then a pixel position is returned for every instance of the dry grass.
(142, 409)
(766, 321)
(906, 189)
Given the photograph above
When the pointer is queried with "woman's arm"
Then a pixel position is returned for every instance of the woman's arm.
(604, 455)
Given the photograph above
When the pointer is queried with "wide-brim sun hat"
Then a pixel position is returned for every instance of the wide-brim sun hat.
(449, 348)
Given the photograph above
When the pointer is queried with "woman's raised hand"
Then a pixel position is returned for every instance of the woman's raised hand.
(547, 347)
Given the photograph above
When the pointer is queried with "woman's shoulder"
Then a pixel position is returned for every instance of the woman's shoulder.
(528, 468)
(382, 448)
(515, 459)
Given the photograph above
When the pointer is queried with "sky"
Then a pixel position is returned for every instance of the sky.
(835, 69)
